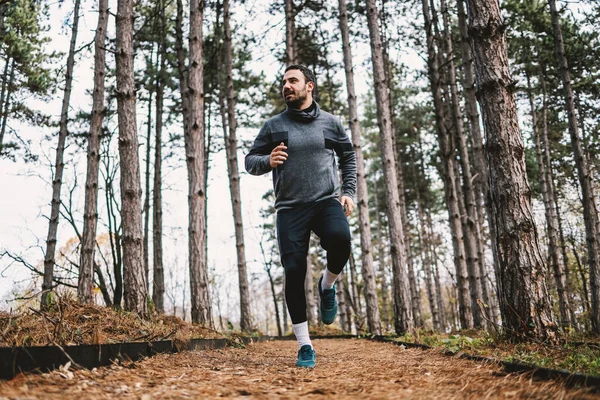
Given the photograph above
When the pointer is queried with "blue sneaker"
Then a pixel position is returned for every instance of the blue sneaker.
(307, 358)
(329, 306)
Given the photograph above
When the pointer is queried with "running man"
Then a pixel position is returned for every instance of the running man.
(298, 147)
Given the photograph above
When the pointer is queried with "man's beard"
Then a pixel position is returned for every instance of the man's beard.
(297, 98)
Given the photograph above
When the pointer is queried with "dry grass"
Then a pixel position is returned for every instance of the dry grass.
(70, 323)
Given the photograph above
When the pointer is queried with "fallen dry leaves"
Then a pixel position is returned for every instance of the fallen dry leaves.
(71, 323)
(346, 369)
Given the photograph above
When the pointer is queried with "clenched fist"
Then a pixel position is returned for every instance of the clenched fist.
(278, 155)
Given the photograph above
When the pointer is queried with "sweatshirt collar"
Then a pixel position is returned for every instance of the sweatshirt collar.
(307, 115)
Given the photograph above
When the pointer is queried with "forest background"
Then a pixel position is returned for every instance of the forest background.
(260, 45)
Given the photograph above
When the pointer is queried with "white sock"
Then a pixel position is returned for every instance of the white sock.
(301, 332)
(328, 280)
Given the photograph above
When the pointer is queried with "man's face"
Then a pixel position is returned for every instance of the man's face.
(295, 89)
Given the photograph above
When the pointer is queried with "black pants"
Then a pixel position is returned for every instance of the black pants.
(327, 220)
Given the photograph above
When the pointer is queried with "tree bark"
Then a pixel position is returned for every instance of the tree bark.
(290, 32)
(366, 244)
(234, 177)
(158, 272)
(135, 286)
(524, 300)
(481, 178)
(403, 320)
(470, 219)
(590, 211)
(449, 179)
(59, 166)
(424, 237)
(382, 266)
(195, 155)
(309, 284)
(146, 205)
(90, 212)
(551, 220)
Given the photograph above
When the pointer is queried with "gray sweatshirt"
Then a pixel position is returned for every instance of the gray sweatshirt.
(309, 174)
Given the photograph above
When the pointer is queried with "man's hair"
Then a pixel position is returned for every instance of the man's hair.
(308, 74)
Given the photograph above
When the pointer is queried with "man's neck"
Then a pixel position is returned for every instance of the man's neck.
(306, 105)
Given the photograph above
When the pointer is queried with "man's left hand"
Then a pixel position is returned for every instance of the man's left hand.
(347, 205)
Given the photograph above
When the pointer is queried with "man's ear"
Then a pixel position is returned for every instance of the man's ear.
(310, 85)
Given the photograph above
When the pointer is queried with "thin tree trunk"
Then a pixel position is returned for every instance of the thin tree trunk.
(181, 66)
(146, 206)
(470, 219)
(447, 167)
(554, 255)
(366, 244)
(403, 321)
(290, 45)
(590, 211)
(234, 178)
(341, 296)
(423, 238)
(524, 301)
(158, 273)
(114, 239)
(358, 310)
(385, 297)
(59, 166)
(4, 94)
(195, 155)
(90, 213)
(309, 283)
(134, 281)
(437, 283)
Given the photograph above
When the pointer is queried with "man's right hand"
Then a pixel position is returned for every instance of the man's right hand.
(278, 155)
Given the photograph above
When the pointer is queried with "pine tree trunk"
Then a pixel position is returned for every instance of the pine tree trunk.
(195, 155)
(114, 236)
(290, 45)
(366, 244)
(524, 300)
(341, 296)
(146, 205)
(403, 321)
(590, 211)
(234, 178)
(158, 273)
(5, 105)
(449, 179)
(551, 220)
(135, 286)
(470, 219)
(423, 239)
(385, 298)
(181, 66)
(480, 179)
(309, 284)
(3, 96)
(552, 197)
(59, 166)
(438, 286)
(358, 308)
(90, 213)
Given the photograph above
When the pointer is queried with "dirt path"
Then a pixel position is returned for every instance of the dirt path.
(345, 369)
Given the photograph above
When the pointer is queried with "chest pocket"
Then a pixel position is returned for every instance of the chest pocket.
(278, 137)
(332, 142)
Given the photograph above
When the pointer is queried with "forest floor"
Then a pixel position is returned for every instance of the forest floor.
(346, 368)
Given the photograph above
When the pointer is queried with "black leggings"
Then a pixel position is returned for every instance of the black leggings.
(329, 223)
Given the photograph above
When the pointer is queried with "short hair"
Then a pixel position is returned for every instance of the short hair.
(308, 74)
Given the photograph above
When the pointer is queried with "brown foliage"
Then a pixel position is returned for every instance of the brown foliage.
(69, 323)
